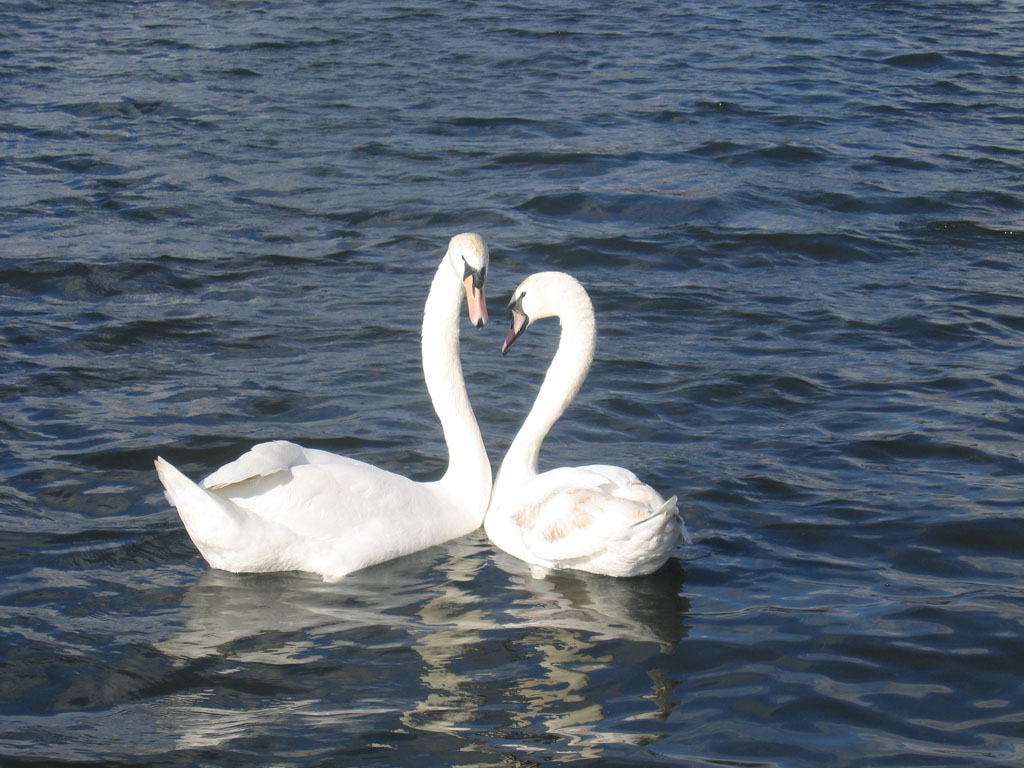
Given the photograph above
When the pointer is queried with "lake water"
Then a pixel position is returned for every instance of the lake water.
(801, 226)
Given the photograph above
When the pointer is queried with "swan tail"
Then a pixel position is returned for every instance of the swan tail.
(222, 532)
(671, 507)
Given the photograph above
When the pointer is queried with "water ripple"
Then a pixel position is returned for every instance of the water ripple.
(804, 253)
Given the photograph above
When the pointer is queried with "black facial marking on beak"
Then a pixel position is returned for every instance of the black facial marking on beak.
(515, 304)
(479, 275)
(518, 320)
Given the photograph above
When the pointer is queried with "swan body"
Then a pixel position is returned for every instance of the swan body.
(598, 518)
(283, 507)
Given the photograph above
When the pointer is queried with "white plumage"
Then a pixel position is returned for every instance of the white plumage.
(282, 507)
(598, 518)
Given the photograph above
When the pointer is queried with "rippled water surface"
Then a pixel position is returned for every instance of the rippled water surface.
(800, 224)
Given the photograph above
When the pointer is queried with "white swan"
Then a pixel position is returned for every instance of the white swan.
(598, 518)
(282, 507)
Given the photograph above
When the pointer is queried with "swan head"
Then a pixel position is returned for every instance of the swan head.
(544, 294)
(467, 255)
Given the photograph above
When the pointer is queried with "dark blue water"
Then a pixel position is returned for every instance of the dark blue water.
(801, 226)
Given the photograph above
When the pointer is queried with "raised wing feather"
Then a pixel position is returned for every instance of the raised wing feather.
(259, 461)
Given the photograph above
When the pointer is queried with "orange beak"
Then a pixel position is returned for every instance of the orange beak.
(476, 302)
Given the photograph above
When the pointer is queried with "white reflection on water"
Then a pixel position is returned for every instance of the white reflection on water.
(503, 661)
(583, 626)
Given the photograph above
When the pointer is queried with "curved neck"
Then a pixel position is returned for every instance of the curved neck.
(468, 466)
(563, 380)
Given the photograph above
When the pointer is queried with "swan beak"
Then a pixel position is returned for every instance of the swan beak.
(475, 300)
(517, 324)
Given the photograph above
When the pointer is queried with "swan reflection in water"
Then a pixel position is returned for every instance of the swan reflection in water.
(458, 640)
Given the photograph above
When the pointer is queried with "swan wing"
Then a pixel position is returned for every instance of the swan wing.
(573, 512)
(259, 461)
(625, 484)
(283, 507)
(622, 483)
(329, 496)
(319, 494)
(596, 518)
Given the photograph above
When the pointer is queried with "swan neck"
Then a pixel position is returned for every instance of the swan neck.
(468, 467)
(564, 377)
